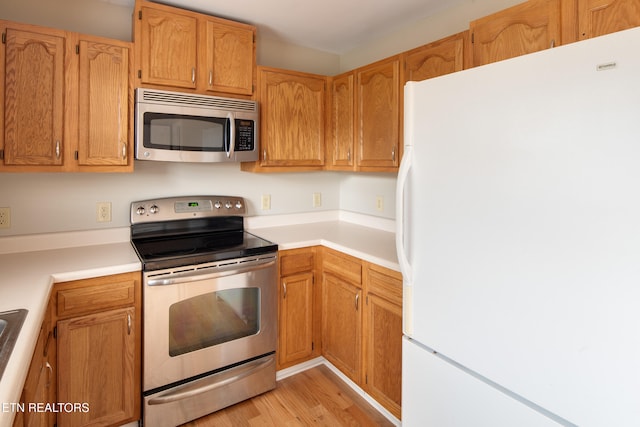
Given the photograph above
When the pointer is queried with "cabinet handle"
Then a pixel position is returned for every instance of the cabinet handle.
(48, 366)
(284, 286)
(349, 154)
(57, 149)
(124, 151)
(393, 154)
(264, 154)
(357, 301)
(128, 324)
(553, 44)
(210, 77)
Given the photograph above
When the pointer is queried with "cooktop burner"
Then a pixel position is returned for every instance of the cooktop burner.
(174, 232)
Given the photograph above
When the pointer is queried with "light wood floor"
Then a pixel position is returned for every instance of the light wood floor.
(313, 397)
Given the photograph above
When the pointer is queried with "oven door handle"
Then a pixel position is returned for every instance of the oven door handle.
(215, 381)
(199, 274)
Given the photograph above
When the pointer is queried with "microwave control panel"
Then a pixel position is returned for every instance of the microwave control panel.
(245, 135)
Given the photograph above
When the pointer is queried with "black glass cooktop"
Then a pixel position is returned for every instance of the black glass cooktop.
(180, 243)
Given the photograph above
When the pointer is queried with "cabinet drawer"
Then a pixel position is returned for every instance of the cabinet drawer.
(92, 295)
(385, 283)
(296, 261)
(342, 265)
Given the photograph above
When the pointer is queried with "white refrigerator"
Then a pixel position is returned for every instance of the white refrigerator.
(518, 214)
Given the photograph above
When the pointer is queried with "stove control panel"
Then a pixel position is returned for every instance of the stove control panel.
(175, 208)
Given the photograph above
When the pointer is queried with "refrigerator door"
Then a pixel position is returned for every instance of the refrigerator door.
(524, 224)
(458, 400)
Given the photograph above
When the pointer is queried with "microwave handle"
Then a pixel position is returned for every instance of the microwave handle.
(232, 134)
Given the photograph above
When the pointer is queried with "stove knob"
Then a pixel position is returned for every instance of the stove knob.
(217, 204)
(238, 204)
(154, 209)
(228, 205)
(140, 210)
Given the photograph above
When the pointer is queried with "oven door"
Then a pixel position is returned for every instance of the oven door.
(206, 318)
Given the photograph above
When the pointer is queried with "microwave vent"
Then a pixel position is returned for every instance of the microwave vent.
(176, 98)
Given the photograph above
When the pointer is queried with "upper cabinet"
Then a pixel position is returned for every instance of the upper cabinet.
(292, 121)
(435, 59)
(103, 99)
(34, 85)
(77, 88)
(378, 100)
(181, 49)
(341, 131)
(599, 17)
(525, 28)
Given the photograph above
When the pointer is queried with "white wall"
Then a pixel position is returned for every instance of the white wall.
(43, 203)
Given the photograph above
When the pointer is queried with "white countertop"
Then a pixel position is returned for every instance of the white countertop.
(27, 275)
(367, 243)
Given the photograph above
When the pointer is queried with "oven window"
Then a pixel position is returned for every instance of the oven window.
(213, 319)
(185, 133)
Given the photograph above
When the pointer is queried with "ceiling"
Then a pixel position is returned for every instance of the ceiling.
(335, 26)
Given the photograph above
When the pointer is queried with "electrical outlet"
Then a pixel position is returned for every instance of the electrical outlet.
(5, 217)
(317, 200)
(379, 203)
(103, 211)
(266, 202)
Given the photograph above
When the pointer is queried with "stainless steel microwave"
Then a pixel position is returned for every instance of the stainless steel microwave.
(185, 127)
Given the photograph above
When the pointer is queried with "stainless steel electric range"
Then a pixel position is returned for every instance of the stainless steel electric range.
(210, 306)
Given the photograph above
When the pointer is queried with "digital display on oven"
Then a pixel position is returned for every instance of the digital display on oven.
(193, 206)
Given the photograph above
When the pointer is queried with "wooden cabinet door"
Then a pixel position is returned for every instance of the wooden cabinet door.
(383, 336)
(599, 17)
(525, 28)
(342, 325)
(436, 59)
(96, 365)
(378, 104)
(229, 57)
(104, 104)
(296, 318)
(292, 118)
(33, 98)
(341, 151)
(168, 47)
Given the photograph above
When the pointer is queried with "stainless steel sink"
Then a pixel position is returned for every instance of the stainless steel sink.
(10, 325)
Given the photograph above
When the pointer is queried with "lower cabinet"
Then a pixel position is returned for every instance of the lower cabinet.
(39, 388)
(382, 338)
(87, 359)
(342, 313)
(298, 320)
(362, 325)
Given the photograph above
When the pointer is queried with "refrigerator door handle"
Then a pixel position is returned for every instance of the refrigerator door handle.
(403, 174)
(403, 259)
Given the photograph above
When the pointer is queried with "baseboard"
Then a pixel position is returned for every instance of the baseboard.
(301, 367)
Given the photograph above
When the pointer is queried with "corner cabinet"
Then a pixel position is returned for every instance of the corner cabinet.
(98, 339)
(378, 101)
(292, 121)
(77, 88)
(342, 313)
(341, 128)
(181, 49)
(298, 320)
